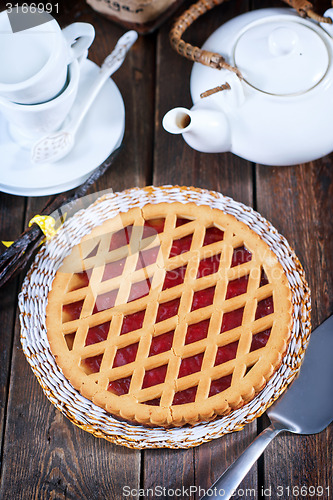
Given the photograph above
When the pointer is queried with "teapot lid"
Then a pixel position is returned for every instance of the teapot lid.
(281, 57)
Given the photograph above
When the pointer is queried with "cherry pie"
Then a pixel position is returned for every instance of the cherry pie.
(170, 314)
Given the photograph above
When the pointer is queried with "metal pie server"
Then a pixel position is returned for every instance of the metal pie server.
(305, 408)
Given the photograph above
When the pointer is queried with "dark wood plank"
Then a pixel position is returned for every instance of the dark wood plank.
(177, 163)
(136, 80)
(11, 224)
(57, 460)
(168, 470)
(296, 200)
(71, 459)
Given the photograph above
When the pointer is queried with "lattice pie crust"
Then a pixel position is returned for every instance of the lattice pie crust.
(170, 314)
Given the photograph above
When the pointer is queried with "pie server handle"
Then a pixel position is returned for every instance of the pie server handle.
(227, 484)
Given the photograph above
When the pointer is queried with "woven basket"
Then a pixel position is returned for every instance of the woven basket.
(88, 416)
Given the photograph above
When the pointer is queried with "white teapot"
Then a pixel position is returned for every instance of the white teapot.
(280, 112)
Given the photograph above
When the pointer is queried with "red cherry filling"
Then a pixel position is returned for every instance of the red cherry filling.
(219, 385)
(79, 280)
(213, 234)
(93, 252)
(226, 353)
(121, 238)
(71, 312)
(93, 364)
(263, 278)
(153, 402)
(70, 340)
(237, 287)
(232, 319)
(139, 290)
(190, 365)
(113, 269)
(147, 257)
(181, 221)
(156, 224)
(120, 386)
(197, 331)
(105, 301)
(260, 339)
(265, 307)
(154, 376)
(186, 396)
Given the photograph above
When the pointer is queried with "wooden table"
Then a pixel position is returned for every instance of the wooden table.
(43, 455)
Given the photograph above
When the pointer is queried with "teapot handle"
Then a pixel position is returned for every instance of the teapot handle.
(213, 59)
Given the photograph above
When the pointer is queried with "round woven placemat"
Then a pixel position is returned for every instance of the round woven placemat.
(84, 413)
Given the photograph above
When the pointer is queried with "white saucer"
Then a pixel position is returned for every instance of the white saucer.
(100, 133)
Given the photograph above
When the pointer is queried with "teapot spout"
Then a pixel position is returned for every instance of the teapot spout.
(177, 120)
(206, 130)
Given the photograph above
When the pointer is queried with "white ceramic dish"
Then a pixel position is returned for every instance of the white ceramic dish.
(41, 54)
(280, 112)
(100, 133)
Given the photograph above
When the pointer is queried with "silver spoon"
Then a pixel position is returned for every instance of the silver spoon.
(55, 146)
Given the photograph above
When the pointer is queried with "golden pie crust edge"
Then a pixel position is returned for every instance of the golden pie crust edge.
(124, 407)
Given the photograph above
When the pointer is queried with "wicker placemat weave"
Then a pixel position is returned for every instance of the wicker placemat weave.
(84, 413)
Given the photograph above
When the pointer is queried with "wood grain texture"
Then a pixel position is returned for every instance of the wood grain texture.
(295, 199)
(177, 163)
(46, 456)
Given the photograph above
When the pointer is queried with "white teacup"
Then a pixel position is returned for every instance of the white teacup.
(29, 122)
(34, 62)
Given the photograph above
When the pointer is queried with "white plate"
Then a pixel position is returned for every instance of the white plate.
(100, 133)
